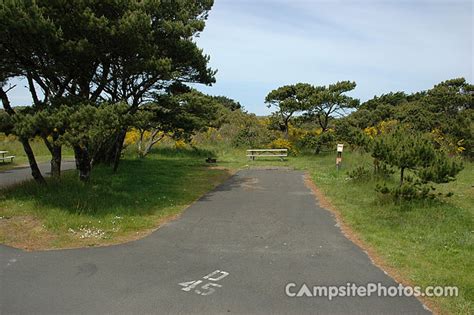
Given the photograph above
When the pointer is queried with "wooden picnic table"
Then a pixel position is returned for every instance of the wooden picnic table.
(3, 158)
(253, 153)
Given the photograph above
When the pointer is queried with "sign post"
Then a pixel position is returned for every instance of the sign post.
(340, 147)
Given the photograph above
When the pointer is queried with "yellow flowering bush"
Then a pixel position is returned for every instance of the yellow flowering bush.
(450, 146)
(9, 138)
(381, 128)
(132, 137)
(264, 121)
(281, 143)
(179, 144)
(371, 132)
(387, 125)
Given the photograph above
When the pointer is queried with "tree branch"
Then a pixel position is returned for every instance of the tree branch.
(32, 89)
(6, 102)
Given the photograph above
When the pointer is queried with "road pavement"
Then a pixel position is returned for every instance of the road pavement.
(233, 251)
(20, 174)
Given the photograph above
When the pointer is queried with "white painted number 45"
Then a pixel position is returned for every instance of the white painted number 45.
(208, 287)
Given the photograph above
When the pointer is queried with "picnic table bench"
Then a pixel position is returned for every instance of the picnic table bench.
(4, 158)
(253, 153)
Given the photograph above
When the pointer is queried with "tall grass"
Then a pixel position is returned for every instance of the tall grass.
(136, 198)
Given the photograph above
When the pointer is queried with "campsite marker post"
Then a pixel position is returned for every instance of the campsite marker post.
(339, 155)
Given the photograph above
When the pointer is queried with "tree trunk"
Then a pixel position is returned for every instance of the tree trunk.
(151, 142)
(376, 166)
(287, 127)
(56, 161)
(56, 155)
(119, 147)
(35, 171)
(402, 170)
(105, 154)
(140, 143)
(317, 150)
(83, 162)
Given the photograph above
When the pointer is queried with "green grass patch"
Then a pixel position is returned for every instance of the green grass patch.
(112, 206)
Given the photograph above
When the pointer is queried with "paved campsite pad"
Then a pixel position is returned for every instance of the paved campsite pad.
(19, 174)
(248, 238)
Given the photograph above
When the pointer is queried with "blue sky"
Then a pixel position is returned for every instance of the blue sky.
(259, 45)
(382, 45)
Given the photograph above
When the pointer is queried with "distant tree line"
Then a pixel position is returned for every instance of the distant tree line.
(423, 133)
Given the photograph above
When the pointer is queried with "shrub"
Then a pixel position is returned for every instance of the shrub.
(238, 129)
(360, 173)
(281, 143)
(131, 138)
(180, 144)
(382, 170)
(319, 141)
(414, 151)
(409, 190)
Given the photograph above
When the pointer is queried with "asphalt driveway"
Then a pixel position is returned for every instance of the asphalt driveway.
(20, 174)
(233, 251)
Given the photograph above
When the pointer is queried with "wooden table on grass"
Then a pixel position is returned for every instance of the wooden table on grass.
(253, 153)
(3, 157)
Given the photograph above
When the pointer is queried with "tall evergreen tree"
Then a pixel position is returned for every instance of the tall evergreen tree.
(83, 53)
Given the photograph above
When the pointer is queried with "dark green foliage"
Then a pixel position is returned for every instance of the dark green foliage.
(382, 170)
(391, 99)
(177, 116)
(447, 108)
(354, 136)
(364, 174)
(360, 173)
(90, 126)
(183, 114)
(319, 104)
(326, 102)
(288, 101)
(319, 142)
(6, 124)
(252, 136)
(409, 190)
(409, 150)
(84, 53)
(227, 102)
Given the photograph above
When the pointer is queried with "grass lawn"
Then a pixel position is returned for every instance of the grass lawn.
(111, 208)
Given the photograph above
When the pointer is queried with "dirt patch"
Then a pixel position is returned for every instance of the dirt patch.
(348, 232)
(25, 232)
(250, 183)
(119, 239)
